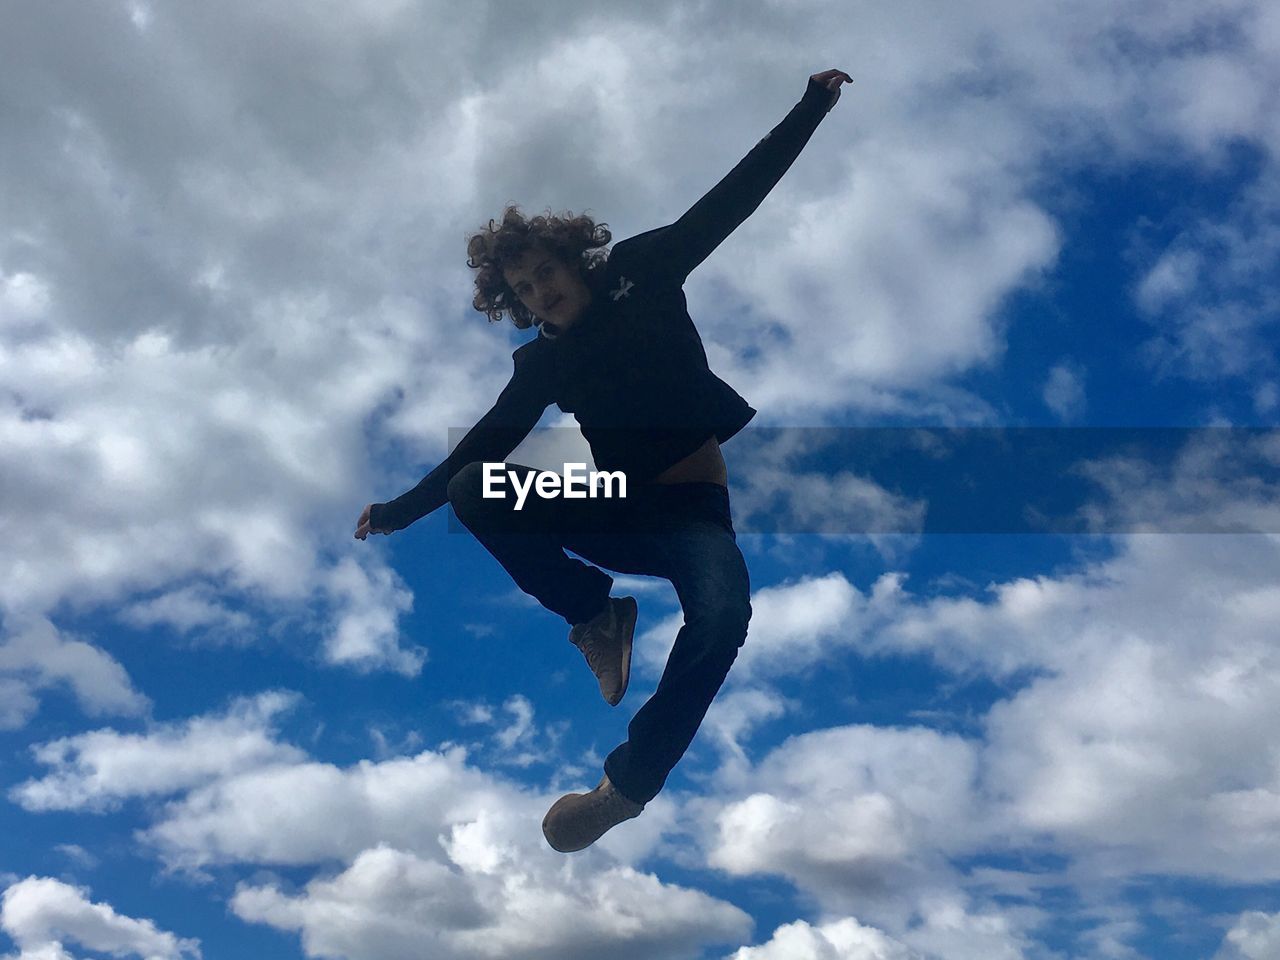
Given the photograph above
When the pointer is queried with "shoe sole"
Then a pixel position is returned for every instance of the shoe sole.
(630, 612)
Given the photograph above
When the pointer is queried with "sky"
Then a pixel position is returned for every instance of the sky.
(235, 308)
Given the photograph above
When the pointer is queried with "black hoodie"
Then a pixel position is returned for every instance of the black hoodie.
(632, 370)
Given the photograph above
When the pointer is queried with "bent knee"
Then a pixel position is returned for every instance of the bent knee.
(728, 620)
(465, 484)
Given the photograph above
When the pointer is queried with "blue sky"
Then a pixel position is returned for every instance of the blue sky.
(234, 309)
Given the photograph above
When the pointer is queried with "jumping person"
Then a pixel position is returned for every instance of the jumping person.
(617, 348)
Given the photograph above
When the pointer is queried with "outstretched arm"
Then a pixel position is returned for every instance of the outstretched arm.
(687, 242)
(515, 413)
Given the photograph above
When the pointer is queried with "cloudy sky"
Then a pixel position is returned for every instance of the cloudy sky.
(234, 309)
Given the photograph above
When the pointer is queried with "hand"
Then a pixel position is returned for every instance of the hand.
(831, 79)
(362, 525)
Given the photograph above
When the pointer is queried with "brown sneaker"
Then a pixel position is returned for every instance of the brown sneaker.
(577, 820)
(606, 643)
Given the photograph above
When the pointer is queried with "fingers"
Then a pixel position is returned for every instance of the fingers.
(364, 526)
(364, 530)
(832, 79)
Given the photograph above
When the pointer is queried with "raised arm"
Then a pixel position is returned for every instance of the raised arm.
(687, 242)
(515, 413)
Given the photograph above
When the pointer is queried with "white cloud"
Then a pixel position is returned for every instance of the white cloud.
(515, 739)
(186, 609)
(844, 939)
(429, 848)
(17, 703)
(521, 727)
(1172, 277)
(1208, 293)
(851, 811)
(1142, 688)
(1143, 665)
(773, 499)
(736, 713)
(24, 298)
(370, 598)
(869, 324)
(45, 951)
(434, 851)
(95, 771)
(1255, 936)
(39, 913)
(391, 903)
(793, 625)
(1137, 671)
(869, 819)
(209, 294)
(219, 358)
(35, 655)
(1063, 391)
(1217, 481)
(1126, 678)
(330, 813)
(951, 927)
(944, 930)
(136, 426)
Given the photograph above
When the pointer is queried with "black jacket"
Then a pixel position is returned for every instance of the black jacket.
(632, 370)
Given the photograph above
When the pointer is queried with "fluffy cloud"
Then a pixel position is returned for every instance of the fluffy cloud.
(232, 255)
(1255, 936)
(1141, 692)
(1155, 679)
(1218, 481)
(516, 739)
(202, 300)
(1207, 292)
(853, 812)
(186, 609)
(391, 904)
(434, 851)
(95, 771)
(841, 940)
(366, 632)
(35, 654)
(792, 626)
(331, 813)
(430, 849)
(1135, 670)
(944, 931)
(41, 913)
(871, 820)
(736, 713)
(1063, 391)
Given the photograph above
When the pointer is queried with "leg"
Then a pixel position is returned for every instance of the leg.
(709, 573)
(529, 543)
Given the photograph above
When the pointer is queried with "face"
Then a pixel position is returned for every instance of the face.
(551, 289)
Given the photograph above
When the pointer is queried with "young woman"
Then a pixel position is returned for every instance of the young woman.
(617, 348)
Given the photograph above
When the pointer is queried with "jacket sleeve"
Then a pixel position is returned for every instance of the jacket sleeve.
(515, 413)
(683, 245)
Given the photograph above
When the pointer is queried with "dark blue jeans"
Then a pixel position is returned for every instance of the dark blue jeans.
(682, 532)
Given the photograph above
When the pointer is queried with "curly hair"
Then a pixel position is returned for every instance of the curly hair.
(572, 239)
